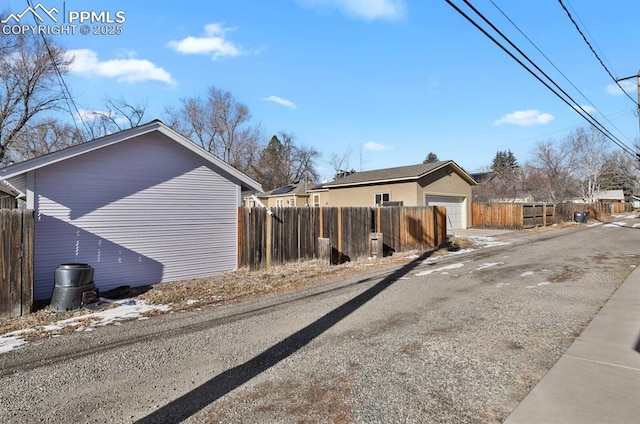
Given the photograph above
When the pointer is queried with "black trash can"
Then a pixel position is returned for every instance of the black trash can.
(73, 287)
(580, 217)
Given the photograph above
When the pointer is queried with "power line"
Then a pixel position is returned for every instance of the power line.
(583, 113)
(555, 67)
(65, 89)
(575, 24)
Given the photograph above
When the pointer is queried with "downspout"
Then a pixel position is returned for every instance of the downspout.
(259, 202)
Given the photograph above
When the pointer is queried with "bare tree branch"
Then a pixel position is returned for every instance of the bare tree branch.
(28, 71)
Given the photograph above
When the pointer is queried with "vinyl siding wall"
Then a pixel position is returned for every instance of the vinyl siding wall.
(142, 211)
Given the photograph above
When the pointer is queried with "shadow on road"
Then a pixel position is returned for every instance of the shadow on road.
(220, 385)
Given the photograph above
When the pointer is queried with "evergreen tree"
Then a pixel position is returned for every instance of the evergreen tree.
(505, 163)
(431, 158)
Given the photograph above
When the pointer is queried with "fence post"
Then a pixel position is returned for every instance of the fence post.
(268, 240)
(339, 234)
(27, 261)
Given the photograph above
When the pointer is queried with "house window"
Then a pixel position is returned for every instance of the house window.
(279, 203)
(252, 203)
(316, 200)
(292, 203)
(380, 198)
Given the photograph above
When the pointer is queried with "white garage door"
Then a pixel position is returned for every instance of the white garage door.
(455, 210)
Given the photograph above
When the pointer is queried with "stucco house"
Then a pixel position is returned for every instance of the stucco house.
(141, 206)
(442, 183)
(292, 195)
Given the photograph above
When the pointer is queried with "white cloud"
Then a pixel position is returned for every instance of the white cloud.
(92, 115)
(589, 109)
(281, 101)
(372, 145)
(630, 86)
(86, 62)
(212, 43)
(368, 10)
(525, 118)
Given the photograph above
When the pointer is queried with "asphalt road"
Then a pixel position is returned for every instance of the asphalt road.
(459, 339)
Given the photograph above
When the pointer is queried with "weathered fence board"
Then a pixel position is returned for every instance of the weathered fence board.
(513, 216)
(600, 211)
(293, 234)
(516, 216)
(16, 262)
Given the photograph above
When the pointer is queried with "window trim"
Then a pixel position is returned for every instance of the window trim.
(382, 199)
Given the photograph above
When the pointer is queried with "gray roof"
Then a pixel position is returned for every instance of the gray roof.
(245, 181)
(397, 174)
(610, 195)
(288, 190)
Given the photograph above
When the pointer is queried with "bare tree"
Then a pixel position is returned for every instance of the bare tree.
(589, 148)
(557, 163)
(340, 163)
(28, 85)
(44, 137)
(219, 124)
(117, 115)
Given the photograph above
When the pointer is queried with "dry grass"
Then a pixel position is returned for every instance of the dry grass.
(230, 287)
(242, 284)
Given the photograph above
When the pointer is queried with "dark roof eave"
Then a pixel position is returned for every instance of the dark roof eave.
(459, 170)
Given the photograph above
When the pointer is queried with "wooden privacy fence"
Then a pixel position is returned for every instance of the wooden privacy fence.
(513, 216)
(344, 233)
(600, 211)
(16, 262)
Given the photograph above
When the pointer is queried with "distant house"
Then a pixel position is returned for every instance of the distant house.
(609, 196)
(292, 195)
(441, 183)
(141, 206)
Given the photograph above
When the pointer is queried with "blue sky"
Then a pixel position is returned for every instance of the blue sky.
(389, 80)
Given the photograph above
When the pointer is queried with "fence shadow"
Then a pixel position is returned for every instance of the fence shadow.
(192, 402)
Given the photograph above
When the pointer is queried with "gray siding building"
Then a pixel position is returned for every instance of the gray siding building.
(141, 206)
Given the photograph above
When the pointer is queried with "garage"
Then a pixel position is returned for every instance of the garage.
(141, 206)
(456, 217)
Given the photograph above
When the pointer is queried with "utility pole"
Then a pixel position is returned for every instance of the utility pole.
(638, 110)
(637, 76)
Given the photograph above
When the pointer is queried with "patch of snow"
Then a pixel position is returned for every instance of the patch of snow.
(442, 268)
(614, 224)
(489, 265)
(8, 343)
(192, 301)
(526, 273)
(486, 241)
(544, 283)
(127, 309)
